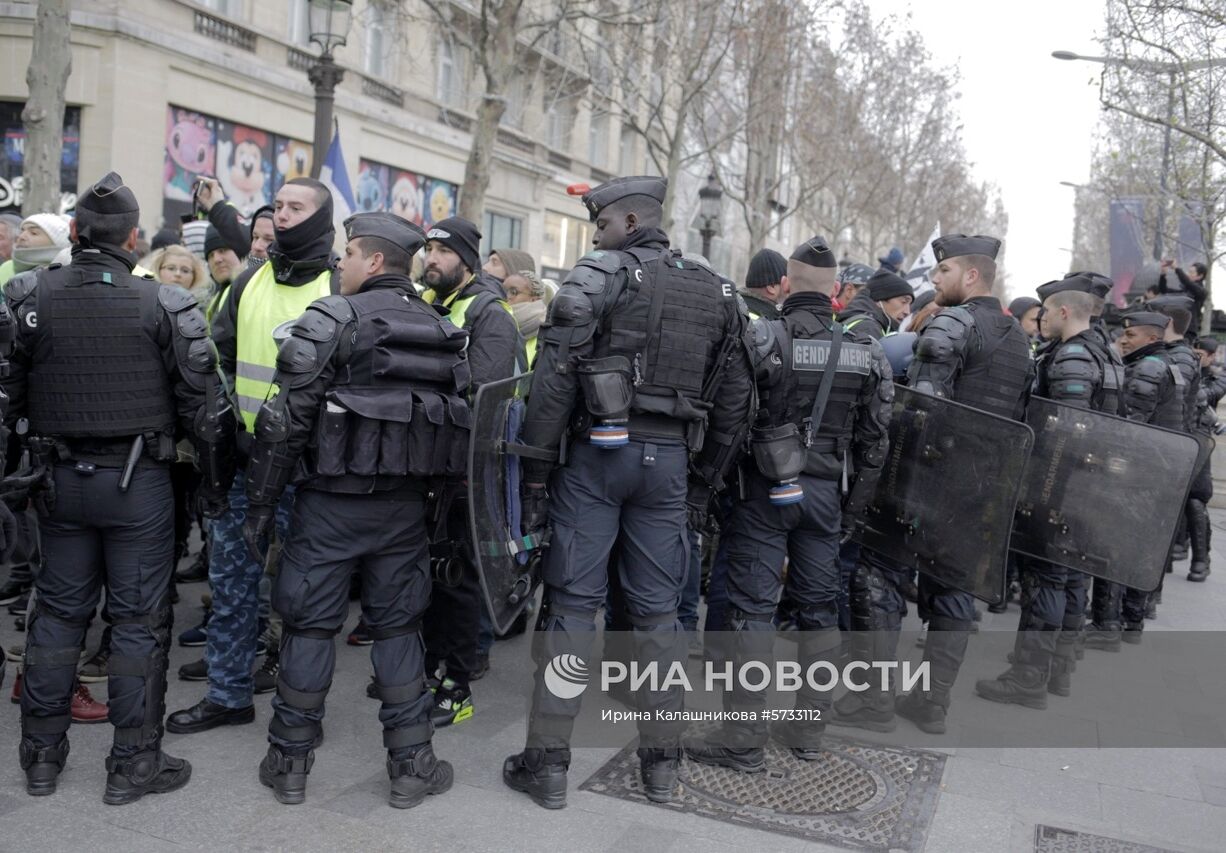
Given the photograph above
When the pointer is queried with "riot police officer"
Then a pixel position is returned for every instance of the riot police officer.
(1151, 395)
(825, 395)
(112, 368)
(369, 408)
(1079, 371)
(643, 362)
(973, 353)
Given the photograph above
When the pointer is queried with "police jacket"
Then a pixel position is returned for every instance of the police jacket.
(673, 333)
(495, 347)
(1150, 392)
(865, 317)
(370, 397)
(977, 355)
(1185, 360)
(103, 356)
(794, 354)
(1214, 386)
(759, 307)
(1080, 372)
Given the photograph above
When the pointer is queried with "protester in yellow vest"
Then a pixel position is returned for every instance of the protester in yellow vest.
(477, 303)
(256, 313)
(529, 303)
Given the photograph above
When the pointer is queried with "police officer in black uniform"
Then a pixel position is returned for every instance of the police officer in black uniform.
(8, 522)
(973, 353)
(113, 368)
(369, 409)
(825, 395)
(643, 362)
(1151, 395)
(1077, 370)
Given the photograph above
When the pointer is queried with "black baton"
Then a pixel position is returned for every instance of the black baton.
(138, 447)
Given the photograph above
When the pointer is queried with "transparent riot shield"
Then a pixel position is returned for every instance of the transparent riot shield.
(507, 561)
(945, 501)
(1103, 494)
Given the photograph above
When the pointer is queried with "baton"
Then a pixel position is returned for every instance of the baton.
(138, 447)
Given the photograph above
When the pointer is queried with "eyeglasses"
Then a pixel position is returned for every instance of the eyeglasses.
(173, 269)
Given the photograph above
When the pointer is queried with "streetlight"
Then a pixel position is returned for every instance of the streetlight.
(1169, 69)
(329, 24)
(709, 208)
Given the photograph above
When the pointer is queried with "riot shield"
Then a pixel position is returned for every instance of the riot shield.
(507, 561)
(945, 501)
(1103, 494)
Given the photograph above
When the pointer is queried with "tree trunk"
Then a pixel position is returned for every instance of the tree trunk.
(43, 115)
(480, 156)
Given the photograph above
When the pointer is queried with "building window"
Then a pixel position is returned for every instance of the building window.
(598, 140)
(449, 85)
(501, 232)
(559, 118)
(513, 115)
(379, 39)
(566, 240)
(627, 162)
(300, 23)
(229, 8)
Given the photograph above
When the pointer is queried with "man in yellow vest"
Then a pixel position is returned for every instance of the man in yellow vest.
(477, 303)
(257, 312)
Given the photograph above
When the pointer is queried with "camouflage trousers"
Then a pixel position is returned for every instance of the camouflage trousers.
(234, 579)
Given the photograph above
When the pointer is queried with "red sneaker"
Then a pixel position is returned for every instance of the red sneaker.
(85, 708)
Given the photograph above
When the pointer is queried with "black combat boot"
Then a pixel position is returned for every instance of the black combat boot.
(724, 751)
(416, 774)
(1021, 684)
(872, 710)
(286, 774)
(658, 768)
(539, 773)
(1198, 528)
(1132, 633)
(43, 765)
(148, 772)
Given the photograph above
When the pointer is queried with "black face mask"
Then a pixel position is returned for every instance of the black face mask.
(309, 239)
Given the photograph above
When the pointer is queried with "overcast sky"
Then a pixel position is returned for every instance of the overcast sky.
(1028, 119)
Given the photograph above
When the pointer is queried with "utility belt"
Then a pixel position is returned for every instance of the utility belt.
(378, 486)
(609, 395)
(87, 455)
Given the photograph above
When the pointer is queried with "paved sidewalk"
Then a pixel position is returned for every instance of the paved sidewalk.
(989, 799)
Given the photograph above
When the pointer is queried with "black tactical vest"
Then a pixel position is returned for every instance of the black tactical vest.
(96, 369)
(802, 344)
(996, 366)
(1187, 363)
(669, 328)
(396, 409)
(1108, 397)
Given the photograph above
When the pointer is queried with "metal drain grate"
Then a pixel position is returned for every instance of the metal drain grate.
(1053, 839)
(860, 796)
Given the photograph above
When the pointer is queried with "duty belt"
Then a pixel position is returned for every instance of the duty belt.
(646, 425)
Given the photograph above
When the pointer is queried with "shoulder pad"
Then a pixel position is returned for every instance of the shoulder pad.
(191, 323)
(174, 298)
(21, 286)
(315, 324)
(297, 356)
(589, 279)
(571, 307)
(955, 320)
(763, 333)
(336, 307)
(607, 262)
(1152, 368)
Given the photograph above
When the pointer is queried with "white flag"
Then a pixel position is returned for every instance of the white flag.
(924, 263)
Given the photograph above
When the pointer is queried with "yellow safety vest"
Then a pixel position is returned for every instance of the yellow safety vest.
(530, 350)
(264, 306)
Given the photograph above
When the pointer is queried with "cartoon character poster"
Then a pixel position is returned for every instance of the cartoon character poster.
(244, 166)
(405, 197)
(191, 140)
(370, 192)
(294, 160)
(441, 198)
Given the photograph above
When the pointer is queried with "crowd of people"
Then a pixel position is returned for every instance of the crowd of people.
(309, 414)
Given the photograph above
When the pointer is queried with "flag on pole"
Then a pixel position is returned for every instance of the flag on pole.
(924, 262)
(335, 177)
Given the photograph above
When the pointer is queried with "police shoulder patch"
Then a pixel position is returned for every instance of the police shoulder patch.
(609, 262)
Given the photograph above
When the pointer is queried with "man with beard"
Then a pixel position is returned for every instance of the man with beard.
(975, 354)
(476, 303)
(257, 312)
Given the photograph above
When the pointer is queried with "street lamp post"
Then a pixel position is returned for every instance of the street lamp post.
(709, 204)
(329, 22)
(1168, 68)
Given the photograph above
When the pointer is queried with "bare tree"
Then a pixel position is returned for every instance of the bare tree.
(43, 114)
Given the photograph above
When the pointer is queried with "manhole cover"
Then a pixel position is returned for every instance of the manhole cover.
(1052, 839)
(861, 796)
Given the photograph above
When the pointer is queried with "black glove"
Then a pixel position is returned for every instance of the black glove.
(698, 505)
(534, 509)
(255, 529)
(8, 532)
(212, 504)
